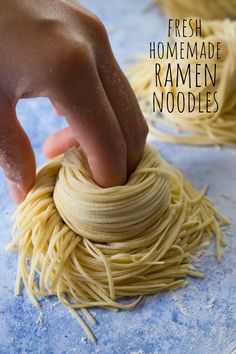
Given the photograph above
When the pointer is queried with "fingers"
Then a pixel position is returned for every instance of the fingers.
(82, 99)
(59, 142)
(125, 105)
(16, 155)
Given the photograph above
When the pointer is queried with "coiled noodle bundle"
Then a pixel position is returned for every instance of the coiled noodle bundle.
(214, 124)
(91, 246)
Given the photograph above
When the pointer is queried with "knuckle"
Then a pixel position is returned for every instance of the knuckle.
(75, 55)
(97, 28)
(72, 61)
(95, 22)
(79, 55)
(48, 24)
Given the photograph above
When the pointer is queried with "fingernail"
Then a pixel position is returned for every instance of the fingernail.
(16, 192)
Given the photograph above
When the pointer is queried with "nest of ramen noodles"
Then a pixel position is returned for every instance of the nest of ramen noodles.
(92, 246)
(210, 122)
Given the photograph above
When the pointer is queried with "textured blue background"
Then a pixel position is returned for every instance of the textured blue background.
(198, 319)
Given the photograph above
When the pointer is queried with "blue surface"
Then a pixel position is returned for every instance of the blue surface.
(199, 319)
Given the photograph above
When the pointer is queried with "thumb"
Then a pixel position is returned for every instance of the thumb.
(16, 154)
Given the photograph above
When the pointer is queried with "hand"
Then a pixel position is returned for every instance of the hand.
(59, 50)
